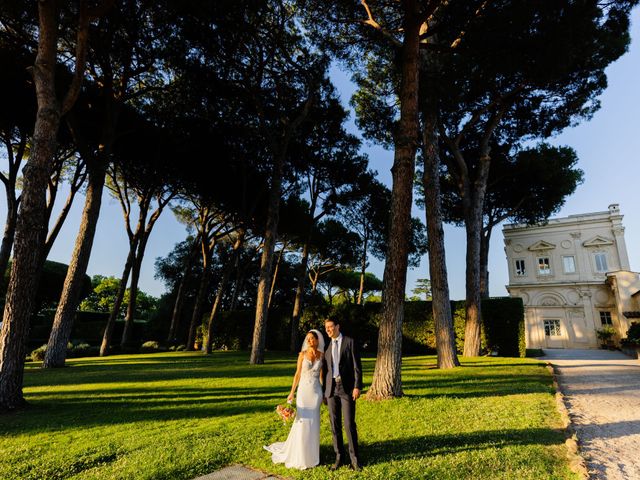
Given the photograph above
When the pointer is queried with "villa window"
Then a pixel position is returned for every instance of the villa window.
(544, 266)
(520, 268)
(601, 262)
(569, 263)
(605, 318)
(552, 328)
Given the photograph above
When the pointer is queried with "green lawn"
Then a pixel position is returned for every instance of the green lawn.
(180, 415)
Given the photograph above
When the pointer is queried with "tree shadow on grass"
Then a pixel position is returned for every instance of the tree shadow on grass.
(420, 446)
(56, 411)
(156, 368)
(407, 448)
(469, 386)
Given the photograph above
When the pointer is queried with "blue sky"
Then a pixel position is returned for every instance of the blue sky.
(607, 146)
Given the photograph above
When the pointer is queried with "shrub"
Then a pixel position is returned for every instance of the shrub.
(38, 354)
(181, 348)
(82, 350)
(633, 334)
(150, 347)
(605, 333)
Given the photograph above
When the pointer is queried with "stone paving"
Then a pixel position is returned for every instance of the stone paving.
(601, 391)
(238, 472)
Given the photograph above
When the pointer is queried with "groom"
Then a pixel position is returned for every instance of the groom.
(342, 385)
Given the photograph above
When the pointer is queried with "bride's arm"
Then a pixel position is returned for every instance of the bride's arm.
(296, 378)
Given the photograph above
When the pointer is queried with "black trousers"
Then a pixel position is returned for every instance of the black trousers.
(341, 405)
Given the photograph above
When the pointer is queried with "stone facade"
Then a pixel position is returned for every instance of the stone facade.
(573, 276)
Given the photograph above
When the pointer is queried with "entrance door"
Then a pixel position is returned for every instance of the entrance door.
(553, 333)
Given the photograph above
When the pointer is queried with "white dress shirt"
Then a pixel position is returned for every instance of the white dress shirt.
(335, 355)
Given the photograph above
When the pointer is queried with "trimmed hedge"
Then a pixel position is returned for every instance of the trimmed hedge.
(88, 327)
(503, 326)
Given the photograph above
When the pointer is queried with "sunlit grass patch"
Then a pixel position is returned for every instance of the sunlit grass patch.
(180, 415)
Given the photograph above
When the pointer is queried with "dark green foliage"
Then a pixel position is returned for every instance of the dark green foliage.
(50, 286)
(503, 322)
(76, 350)
(633, 334)
(503, 330)
(234, 330)
(88, 328)
(82, 350)
(38, 354)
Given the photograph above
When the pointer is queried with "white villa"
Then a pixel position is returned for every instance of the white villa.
(573, 276)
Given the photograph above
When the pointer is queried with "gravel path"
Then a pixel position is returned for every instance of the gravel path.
(602, 394)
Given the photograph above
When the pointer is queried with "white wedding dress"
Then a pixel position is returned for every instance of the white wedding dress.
(302, 448)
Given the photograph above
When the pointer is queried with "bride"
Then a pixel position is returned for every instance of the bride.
(302, 448)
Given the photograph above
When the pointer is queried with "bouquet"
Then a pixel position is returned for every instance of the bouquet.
(286, 412)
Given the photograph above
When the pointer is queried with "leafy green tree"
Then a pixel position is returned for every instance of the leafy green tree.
(103, 298)
(423, 287)
(367, 216)
(29, 235)
(331, 171)
(179, 271)
(514, 90)
(358, 32)
(122, 70)
(348, 286)
(527, 187)
(333, 247)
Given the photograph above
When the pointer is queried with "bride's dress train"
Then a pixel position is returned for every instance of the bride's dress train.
(302, 448)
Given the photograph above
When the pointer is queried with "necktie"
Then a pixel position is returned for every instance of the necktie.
(335, 354)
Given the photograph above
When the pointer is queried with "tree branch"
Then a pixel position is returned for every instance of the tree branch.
(370, 21)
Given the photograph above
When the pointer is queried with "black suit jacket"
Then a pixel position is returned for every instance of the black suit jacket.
(350, 367)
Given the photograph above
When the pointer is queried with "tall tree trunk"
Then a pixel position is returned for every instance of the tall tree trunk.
(297, 304)
(29, 243)
(143, 232)
(64, 213)
(30, 227)
(31, 222)
(302, 272)
(237, 286)
(178, 306)
(485, 241)
(233, 264)
(270, 237)
(363, 268)
(70, 298)
(474, 204)
(108, 330)
(13, 202)
(127, 331)
(387, 376)
(9, 233)
(440, 304)
(196, 316)
(276, 270)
